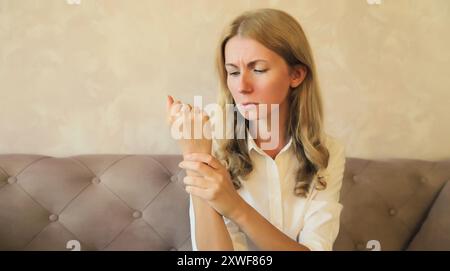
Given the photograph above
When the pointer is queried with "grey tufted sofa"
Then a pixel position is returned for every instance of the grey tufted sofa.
(137, 202)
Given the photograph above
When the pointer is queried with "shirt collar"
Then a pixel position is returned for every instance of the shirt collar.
(251, 145)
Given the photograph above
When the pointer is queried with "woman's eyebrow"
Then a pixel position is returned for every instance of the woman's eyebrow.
(250, 64)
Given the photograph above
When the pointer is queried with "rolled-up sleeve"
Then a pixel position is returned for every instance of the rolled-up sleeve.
(322, 218)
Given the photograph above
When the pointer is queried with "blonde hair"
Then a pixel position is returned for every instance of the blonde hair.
(281, 33)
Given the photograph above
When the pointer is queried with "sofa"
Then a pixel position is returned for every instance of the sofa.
(138, 202)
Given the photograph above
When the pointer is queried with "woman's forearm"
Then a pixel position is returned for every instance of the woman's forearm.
(265, 235)
(210, 230)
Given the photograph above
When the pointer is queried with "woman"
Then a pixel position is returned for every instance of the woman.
(245, 195)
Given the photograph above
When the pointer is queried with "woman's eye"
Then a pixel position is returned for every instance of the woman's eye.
(255, 70)
(260, 71)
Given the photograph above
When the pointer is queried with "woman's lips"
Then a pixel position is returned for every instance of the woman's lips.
(249, 105)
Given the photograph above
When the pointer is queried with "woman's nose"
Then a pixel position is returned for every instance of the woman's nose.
(245, 83)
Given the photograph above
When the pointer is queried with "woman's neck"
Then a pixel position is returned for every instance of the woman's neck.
(273, 152)
(278, 138)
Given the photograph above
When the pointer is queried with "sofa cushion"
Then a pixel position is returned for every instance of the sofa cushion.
(387, 201)
(435, 231)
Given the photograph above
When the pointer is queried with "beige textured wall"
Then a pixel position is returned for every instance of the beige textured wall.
(92, 78)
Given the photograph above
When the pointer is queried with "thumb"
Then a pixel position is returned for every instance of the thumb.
(169, 102)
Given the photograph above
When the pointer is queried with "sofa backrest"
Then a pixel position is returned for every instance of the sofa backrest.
(386, 201)
(138, 202)
(106, 202)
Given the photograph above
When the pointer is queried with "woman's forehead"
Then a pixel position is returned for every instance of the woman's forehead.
(242, 49)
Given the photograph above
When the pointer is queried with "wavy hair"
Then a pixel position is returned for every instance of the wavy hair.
(281, 33)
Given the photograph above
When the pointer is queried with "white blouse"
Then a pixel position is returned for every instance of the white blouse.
(269, 189)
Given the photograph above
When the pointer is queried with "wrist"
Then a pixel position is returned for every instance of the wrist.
(240, 215)
(197, 146)
(201, 207)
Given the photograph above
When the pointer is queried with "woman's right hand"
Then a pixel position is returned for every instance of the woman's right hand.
(182, 116)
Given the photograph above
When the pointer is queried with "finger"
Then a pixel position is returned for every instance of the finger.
(172, 102)
(173, 111)
(199, 113)
(205, 158)
(199, 167)
(196, 181)
(197, 110)
(176, 108)
(186, 108)
(204, 115)
(169, 102)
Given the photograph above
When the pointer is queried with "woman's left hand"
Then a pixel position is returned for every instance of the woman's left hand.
(213, 184)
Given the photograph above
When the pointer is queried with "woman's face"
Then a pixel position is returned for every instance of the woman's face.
(257, 76)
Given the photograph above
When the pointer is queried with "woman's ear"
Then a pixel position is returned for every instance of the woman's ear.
(298, 74)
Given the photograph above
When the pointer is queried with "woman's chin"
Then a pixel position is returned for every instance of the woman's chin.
(249, 115)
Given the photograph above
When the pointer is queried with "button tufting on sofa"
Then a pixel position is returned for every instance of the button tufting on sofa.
(356, 178)
(424, 180)
(95, 180)
(12, 180)
(392, 212)
(137, 214)
(141, 204)
(53, 217)
(174, 178)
